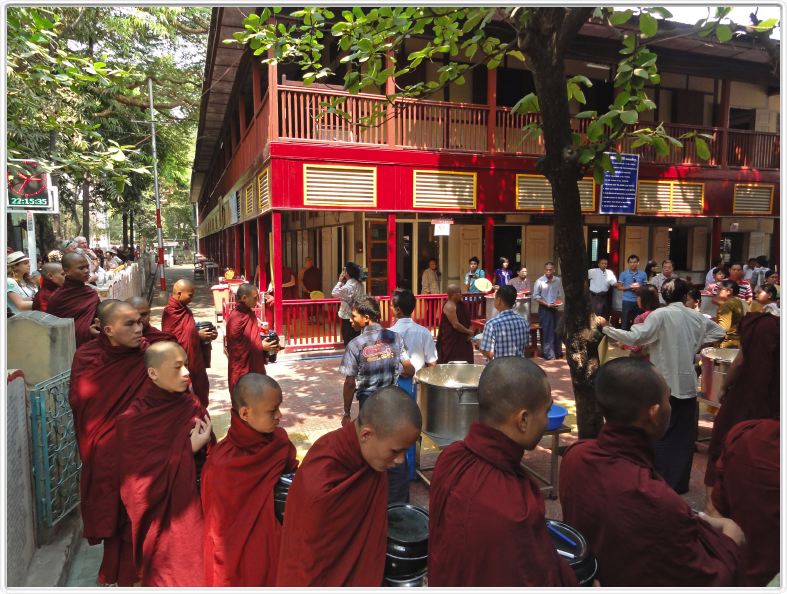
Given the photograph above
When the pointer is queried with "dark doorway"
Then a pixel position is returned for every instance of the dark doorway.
(732, 247)
(679, 247)
(404, 256)
(598, 244)
(742, 119)
(508, 244)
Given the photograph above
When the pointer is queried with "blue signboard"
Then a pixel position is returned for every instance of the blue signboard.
(619, 190)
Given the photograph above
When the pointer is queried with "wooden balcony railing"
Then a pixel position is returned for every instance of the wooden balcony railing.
(437, 125)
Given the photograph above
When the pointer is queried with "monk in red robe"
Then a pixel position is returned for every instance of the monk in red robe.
(164, 436)
(242, 533)
(747, 490)
(751, 389)
(178, 320)
(149, 332)
(486, 515)
(52, 278)
(641, 531)
(336, 521)
(106, 375)
(246, 351)
(454, 333)
(75, 299)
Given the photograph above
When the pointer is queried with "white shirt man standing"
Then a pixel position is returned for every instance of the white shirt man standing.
(601, 280)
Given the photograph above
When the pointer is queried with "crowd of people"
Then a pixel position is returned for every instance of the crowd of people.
(174, 507)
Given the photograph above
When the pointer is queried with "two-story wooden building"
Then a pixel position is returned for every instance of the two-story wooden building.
(275, 181)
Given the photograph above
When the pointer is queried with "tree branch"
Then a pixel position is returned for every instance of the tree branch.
(202, 30)
(142, 104)
(572, 23)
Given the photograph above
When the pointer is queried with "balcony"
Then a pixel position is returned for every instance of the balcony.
(462, 127)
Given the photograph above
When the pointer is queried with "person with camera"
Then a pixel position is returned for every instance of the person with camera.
(247, 350)
(348, 289)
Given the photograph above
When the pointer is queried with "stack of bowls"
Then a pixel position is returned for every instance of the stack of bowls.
(408, 545)
(280, 492)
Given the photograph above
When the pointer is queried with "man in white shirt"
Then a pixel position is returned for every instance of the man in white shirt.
(674, 334)
(419, 343)
(601, 279)
(658, 280)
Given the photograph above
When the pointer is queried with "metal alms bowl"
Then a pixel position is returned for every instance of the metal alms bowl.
(448, 399)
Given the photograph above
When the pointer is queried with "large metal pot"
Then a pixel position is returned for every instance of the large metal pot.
(715, 363)
(448, 399)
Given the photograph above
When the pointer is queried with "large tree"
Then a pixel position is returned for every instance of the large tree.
(369, 41)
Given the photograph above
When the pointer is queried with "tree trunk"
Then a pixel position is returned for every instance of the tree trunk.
(125, 229)
(131, 230)
(85, 230)
(546, 45)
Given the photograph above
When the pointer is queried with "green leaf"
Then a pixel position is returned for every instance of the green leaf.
(629, 117)
(517, 54)
(583, 115)
(661, 146)
(648, 25)
(527, 104)
(641, 72)
(723, 33)
(621, 99)
(703, 152)
(620, 17)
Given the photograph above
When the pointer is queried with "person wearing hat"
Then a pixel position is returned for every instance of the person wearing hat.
(19, 287)
(111, 261)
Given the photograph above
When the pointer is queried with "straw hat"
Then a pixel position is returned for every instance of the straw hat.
(15, 258)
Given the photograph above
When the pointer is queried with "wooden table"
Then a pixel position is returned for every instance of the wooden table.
(551, 483)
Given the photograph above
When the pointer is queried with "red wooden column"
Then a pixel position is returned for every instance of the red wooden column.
(725, 120)
(715, 240)
(256, 87)
(391, 252)
(614, 244)
(491, 102)
(276, 258)
(247, 247)
(262, 252)
(273, 98)
(236, 239)
(489, 247)
(390, 113)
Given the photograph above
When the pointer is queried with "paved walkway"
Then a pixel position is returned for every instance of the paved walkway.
(312, 406)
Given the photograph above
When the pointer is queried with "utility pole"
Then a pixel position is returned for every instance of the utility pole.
(155, 190)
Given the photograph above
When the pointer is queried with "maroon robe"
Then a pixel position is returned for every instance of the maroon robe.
(177, 319)
(159, 486)
(242, 533)
(78, 301)
(755, 392)
(105, 379)
(288, 292)
(747, 491)
(153, 334)
(336, 523)
(44, 294)
(453, 345)
(312, 280)
(244, 345)
(641, 531)
(486, 518)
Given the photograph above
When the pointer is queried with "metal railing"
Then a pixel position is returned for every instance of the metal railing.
(56, 463)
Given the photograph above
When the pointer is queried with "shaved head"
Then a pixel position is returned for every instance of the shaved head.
(182, 284)
(252, 388)
(72, 260)
(388, 410)
(244, 290)
(159, 352)
(106, 311)
(452, 289)
(626, 388)
(51, 268)
(137, 301)
(508, 385)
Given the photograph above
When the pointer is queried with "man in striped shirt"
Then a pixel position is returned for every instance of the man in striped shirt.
(506, 334)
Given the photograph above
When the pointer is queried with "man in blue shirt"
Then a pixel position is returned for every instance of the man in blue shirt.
(506, 334)
(473, 275)
(629, 281)
(546, 293)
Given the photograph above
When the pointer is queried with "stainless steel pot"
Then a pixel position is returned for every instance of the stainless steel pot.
(715, 363)
(448, 399)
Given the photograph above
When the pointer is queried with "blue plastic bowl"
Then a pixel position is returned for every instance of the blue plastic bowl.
(556, 415)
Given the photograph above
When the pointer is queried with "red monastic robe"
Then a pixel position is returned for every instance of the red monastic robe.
(153, 334)
(487, 525)
(641, 531)
(747, 491)
(78, 301)
(244, 345)
(242, 533)
(159, 486)
(104, 381)
(336, 523)
(177, 319)
(453, 345)
(44, 294)
(754, 393)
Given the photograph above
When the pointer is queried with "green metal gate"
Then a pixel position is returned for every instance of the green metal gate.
(56, 464)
